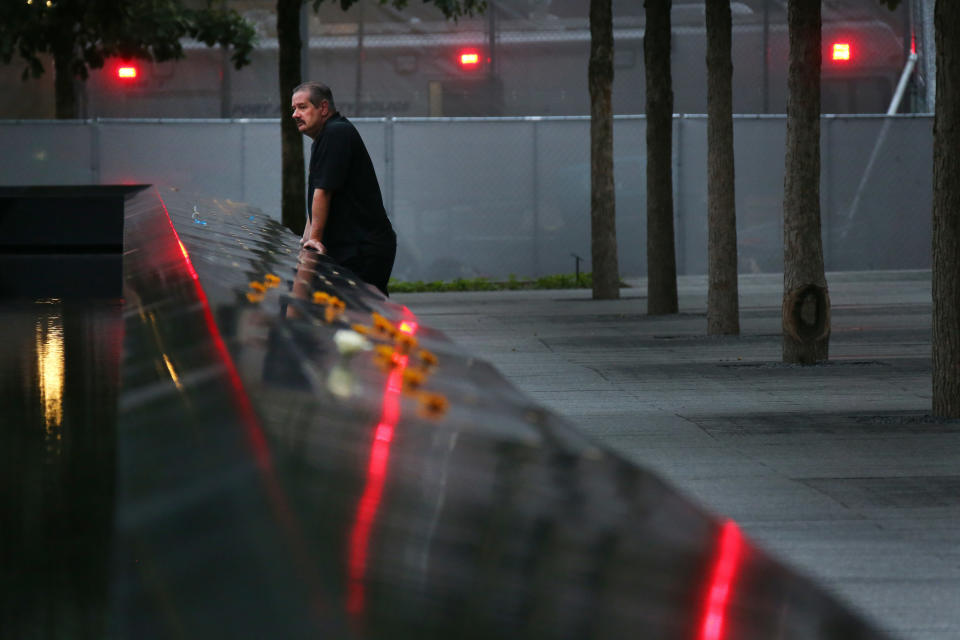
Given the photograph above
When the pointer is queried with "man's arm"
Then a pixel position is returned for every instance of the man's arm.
(306, 268)
(319, 210)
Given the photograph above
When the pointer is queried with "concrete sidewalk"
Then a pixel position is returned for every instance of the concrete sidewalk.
(837, 469)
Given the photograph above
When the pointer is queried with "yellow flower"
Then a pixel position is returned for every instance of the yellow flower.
(331, 313)
(271, 280)
(405, 343)
(254, 296)
(258, 286)
(382, 325)
(433, 405)
(413, 378)
(383, 357)
(321, 297)
(361, 329)
(427, 358)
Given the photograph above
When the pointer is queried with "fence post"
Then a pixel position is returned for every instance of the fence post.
(679, 230)
(243, 160)
(826, 187)
(388, 162)
(94, 151)
(536, 197)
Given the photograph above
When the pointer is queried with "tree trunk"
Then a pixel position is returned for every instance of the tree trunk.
(806, 301)
(723, 306)
(64, 90)
(294, 189)
(661, 255)
(946, 213)
(603, 224)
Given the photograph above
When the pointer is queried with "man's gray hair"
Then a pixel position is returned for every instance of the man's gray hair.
(318, 92)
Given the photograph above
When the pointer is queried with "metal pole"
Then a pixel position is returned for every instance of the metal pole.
(902, 85)
(881, 139)
(95, 152)
(826, 193)
(243, 161)
(536, 200)
(390, 163)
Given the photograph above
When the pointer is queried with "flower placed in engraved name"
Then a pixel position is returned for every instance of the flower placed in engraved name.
(271, 280)
(350, 342)
(413, 379)
(335, 307)
(362, 329)
(433, 405)
(427, 358)
(405, 343)
(383, 326)
(384, 357)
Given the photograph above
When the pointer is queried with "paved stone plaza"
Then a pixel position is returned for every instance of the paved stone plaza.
(837, 469)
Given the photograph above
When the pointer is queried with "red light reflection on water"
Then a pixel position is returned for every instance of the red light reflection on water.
(721, 581)
(376, 478)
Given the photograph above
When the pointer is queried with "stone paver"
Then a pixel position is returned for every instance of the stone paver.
(837, 469)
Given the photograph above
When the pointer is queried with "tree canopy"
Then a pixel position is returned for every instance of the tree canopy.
(94, 30)
(82, 34)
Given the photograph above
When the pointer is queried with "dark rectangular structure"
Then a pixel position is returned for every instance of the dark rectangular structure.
(62, 242)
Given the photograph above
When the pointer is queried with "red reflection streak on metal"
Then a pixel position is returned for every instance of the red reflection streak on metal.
(376, 477)
(254, 432)
(721, 582)
(186, 257)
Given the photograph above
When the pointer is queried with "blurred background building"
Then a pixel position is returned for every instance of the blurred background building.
(507, 190)
(521, 58)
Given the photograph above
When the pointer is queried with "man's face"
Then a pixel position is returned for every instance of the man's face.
(309, 118)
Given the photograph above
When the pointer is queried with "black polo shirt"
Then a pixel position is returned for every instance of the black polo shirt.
(339, 163)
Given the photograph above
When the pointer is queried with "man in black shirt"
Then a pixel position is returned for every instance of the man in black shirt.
(345, 215)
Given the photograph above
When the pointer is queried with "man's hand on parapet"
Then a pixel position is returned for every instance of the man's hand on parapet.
(316, 245)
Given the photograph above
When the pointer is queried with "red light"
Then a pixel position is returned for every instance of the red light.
(376, 478)
(721, 582)
(469, 59)
(126, 72)
(841, 51)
